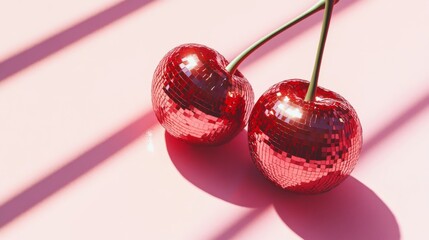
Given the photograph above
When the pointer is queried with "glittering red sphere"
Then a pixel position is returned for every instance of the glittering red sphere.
(196, 100)
(306, 147)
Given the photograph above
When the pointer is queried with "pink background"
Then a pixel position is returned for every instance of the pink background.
(83, 157)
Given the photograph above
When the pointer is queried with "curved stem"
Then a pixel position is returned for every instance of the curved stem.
(232, 66)
(311, 92)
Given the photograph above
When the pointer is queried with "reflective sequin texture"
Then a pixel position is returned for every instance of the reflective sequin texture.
(196, 100)
(301, 146)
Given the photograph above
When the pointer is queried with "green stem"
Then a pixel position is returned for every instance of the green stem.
(311, 92)
(233, 65)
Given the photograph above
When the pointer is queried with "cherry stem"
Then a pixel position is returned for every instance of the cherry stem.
(311, 92)
(233, 65)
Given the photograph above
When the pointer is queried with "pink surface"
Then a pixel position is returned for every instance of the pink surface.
(83, 157)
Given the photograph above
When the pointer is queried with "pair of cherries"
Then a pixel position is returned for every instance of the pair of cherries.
(302, 137)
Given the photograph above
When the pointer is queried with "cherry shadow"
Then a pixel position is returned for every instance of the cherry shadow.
(350, 211)
(67, 37)
(225, 171)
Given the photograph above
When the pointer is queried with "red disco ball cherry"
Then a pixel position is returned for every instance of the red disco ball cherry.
(304, 146)
(196, 99)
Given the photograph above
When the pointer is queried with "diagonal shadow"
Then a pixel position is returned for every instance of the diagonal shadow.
(411, 112)
(74, 169)
(67, 37)
(232, 231)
